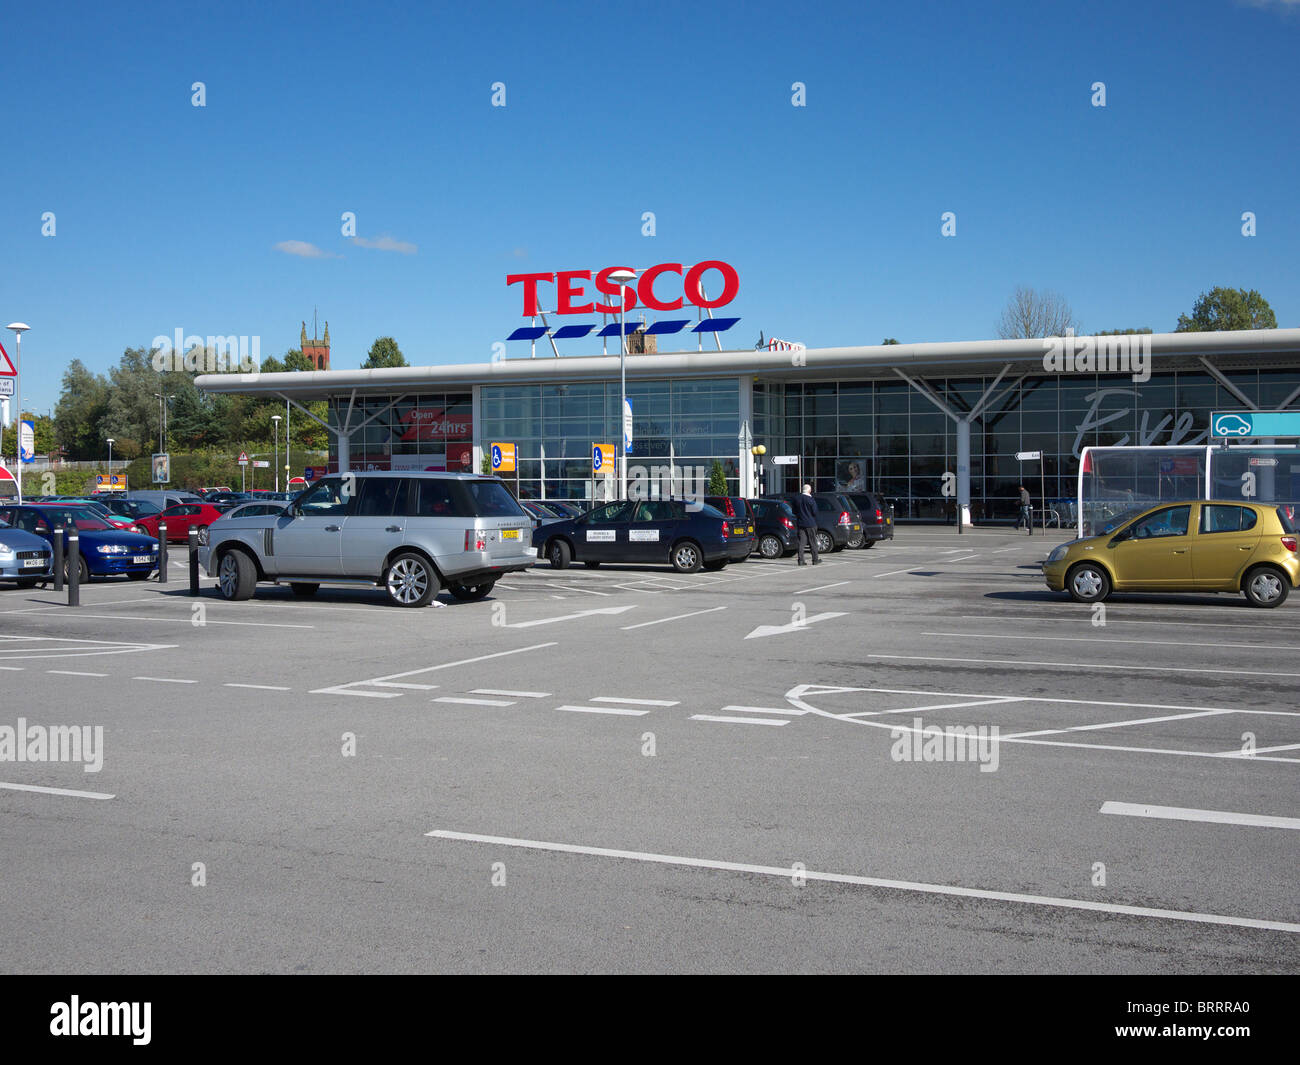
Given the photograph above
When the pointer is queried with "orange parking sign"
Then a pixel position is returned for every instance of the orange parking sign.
(503, 458)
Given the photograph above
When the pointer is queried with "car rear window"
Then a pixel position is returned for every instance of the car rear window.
(491, 499)
(1289, 516)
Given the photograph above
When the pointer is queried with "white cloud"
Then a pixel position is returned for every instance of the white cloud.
(304, 250)
(386, 243)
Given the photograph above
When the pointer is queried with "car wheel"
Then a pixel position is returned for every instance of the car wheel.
(304, 590)
(868, 544)
(1087, 583)
(856, 541)
(1266, 587)
(236, 576)
(714, 566)
(559, 554)
(770, 547)
(203, 535)
(410, 580)
(83, 571)
(591, 565)
(825, 545)
(687, 557)
(468, 593)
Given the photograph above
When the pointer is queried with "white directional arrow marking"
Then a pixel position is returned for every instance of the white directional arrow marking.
(571, 617)
(794, 626)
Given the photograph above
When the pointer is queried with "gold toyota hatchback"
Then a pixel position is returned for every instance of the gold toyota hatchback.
(1211, 546)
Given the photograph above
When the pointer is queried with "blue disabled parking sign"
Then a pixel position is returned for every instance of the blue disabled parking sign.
(496, 457)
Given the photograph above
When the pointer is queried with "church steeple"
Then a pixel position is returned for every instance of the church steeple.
(317, 350)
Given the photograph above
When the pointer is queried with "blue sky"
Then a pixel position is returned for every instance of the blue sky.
(168, 215)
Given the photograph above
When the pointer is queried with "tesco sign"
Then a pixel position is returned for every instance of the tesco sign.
(569, 288)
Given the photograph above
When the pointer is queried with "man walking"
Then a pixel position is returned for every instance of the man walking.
(1026, 510)
(805, 512)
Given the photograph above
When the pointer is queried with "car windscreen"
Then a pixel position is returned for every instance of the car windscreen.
(492, 499)
(1111, 524)
(85, 520)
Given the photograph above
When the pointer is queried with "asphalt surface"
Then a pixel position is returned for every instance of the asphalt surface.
(628, 770)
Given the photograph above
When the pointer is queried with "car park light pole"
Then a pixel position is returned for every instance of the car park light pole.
(275, 448)
(622, 276)
(110, 456)
(19, 328)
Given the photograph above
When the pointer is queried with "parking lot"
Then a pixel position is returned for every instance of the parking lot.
(628, 769)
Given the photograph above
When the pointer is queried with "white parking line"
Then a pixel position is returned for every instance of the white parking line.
(675, 617)
(738, 720)
(787, 711)
(784, 872)
(1117, 724)
(819, 588)
(69, 792)
(604, 710)
(259, 687)
(502, 691)
(349, 688)
(473, 702)
(1081, 665)
(1218, 817)
(1100, 639)
(1239, 753)
(166, 680)
(76, 614)
(74, 673)
(1085, 613)
(13, 669)
(634, 702)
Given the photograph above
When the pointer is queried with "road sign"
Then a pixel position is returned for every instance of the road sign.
(110, 482)
(243, 458)
(627, 426)
(297, 482)
(503, 458)
(602, 459)
(7, 368)
(785, 460)
(5, 473)
(1027, 456)
(6, 386)
(260, 465)
(1254, 423)
(27, 441)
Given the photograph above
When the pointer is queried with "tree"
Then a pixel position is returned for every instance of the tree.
(295, 361)
(889, 340)
(717, 479)
(384, 352)
(1030, 315)
(1228, 308)
(1119, 332)
(83, 403)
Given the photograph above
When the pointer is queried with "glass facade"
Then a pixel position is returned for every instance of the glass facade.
(881, 435)
(555, 426)
(430, 432)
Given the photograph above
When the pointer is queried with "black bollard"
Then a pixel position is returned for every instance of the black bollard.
(162, 552)
(58, 558)
(192, 538)
(74, 568)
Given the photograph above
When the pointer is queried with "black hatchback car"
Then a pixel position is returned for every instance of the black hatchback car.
(651, 531)
(838, 523)
(742, 523)
(775, 531)
(877, 516)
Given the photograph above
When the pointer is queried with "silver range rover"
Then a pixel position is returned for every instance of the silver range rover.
(409, 533)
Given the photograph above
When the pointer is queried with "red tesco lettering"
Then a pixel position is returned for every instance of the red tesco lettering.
(569, 291)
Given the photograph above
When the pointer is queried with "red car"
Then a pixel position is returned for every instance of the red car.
(179, 519)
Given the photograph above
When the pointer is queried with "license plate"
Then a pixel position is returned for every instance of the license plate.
(33, 563)
(140, 560)
(510, 534)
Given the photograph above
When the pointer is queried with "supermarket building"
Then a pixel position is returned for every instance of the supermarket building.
(891, 418)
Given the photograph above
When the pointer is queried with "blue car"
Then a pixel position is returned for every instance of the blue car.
(104, 550)
(659, 531)
(24, 557)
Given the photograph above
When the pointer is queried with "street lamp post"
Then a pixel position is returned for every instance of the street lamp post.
(622, 276)
(275, 448)
(110, 456)
(19, 328)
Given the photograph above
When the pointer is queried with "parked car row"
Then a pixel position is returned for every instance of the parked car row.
(102, 549)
